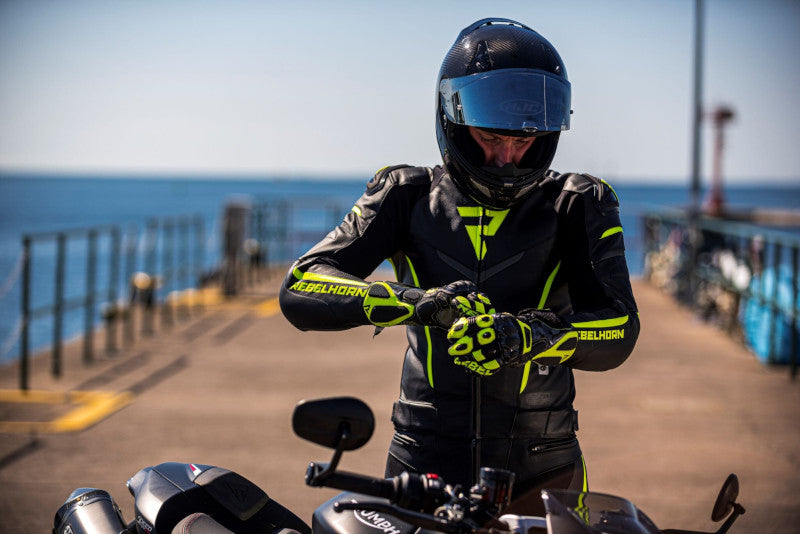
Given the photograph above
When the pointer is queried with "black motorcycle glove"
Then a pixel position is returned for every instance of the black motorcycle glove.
(390, 304)
(485, 343)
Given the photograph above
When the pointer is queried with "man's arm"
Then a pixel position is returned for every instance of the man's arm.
(325, 288)
(604, 316)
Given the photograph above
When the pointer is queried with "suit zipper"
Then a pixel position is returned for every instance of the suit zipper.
(476, 395)
(480, 248)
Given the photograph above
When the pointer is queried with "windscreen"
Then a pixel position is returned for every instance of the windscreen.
(573, 512)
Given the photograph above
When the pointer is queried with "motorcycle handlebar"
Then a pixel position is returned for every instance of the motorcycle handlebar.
(343, 480)
(412, 491)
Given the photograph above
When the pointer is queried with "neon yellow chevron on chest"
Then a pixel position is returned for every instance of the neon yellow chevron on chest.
(488, 222)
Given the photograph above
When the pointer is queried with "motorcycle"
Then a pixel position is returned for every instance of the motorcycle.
(182, 498)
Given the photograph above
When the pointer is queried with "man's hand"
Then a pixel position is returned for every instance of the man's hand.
(485, 343)
(390, 303)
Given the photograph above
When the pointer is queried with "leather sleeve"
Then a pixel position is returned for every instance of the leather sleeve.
(604, 311)
(325, 288)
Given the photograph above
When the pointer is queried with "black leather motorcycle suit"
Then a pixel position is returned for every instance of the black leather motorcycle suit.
(560, 248)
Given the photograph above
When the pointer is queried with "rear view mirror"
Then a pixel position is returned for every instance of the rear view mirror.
(343, 423)
(726, 498)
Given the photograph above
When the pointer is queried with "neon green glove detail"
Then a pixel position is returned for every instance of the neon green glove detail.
(484, 344)
(390, 304)
(553, 340)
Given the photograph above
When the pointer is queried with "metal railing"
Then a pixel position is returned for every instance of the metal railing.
(717, 266)
(173, 252)
(62, 304)
(138, 274)
(169, 254)
(284, 229)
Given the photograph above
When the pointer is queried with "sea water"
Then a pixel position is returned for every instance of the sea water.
(31, 204)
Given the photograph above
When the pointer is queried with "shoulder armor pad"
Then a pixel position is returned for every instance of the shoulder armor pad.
(581, 183)
(398, 174)
(603, 195)
(552, 183)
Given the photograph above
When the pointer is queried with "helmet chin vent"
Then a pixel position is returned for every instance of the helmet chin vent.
(483, 190)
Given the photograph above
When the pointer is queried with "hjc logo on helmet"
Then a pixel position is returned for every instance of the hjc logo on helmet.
(523, 108)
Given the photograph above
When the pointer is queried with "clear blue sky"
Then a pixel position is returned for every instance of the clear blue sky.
(346, 87)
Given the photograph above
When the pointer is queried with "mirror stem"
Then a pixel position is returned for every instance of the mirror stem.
(738, 510)
(317, 474)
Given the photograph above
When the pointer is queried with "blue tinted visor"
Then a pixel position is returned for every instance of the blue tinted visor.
(508, 99)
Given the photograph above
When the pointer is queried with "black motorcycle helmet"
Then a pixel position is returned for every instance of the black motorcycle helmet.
(502, 76)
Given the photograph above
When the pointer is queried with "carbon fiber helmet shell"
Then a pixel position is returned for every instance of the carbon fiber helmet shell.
(502, 76)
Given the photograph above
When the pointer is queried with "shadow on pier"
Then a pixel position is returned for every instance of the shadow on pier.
(665, 429)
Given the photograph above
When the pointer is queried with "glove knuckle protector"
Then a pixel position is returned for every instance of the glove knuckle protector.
(552, 340)
(485, 343)
(390, 303)
(478, 343)
(473, 303)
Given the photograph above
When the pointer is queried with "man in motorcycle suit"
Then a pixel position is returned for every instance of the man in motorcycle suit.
(509, 275)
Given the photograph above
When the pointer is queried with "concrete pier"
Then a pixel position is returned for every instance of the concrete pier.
(689, 407)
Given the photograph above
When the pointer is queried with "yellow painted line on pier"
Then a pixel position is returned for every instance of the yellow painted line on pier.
(212, 298)
(90, 407)
(208, 296)
(268, 308)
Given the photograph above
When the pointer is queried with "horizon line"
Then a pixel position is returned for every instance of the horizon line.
(186, 174)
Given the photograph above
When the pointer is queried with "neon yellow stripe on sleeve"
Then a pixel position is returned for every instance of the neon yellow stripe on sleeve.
(611, 231)
(603, 323)
(314, 277)
(612, 189)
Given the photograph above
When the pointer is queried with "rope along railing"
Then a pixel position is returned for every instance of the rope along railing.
(11, 278)
(139, 275)
(745, 277)
(11, 339)
(169, 255)
(5, 288)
